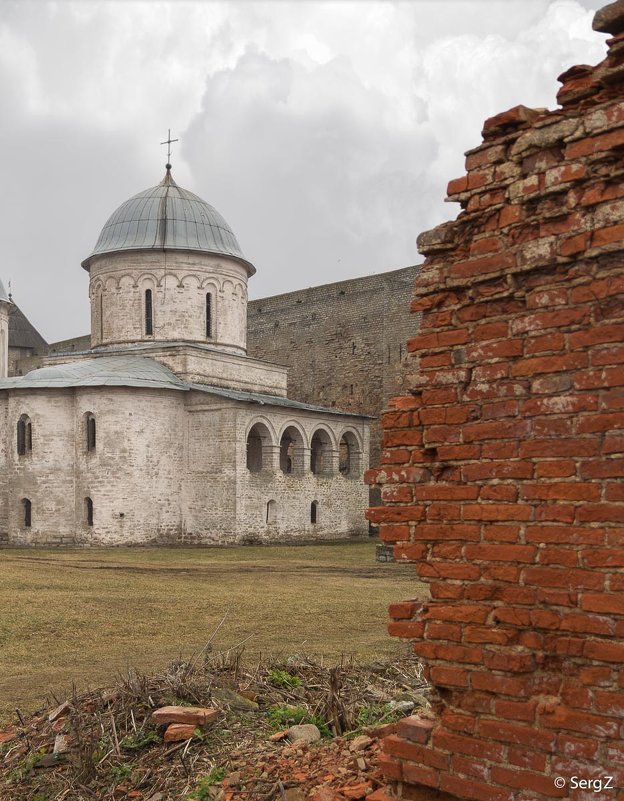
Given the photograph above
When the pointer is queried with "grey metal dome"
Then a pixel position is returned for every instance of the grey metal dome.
(167, 217)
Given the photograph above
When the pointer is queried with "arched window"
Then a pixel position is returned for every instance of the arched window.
(89, 511)
(101, 304)
(349, 463)
(314, 512)
(320, 453)
(149, 313)
(27, 512)
(24, 435)
(291, 451)
(271, 513)
(258, 441)
(90, 431)
(208, 315)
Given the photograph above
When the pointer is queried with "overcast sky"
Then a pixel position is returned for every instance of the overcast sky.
(324, 132)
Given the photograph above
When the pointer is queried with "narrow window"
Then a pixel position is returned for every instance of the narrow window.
(208, 315)
(89, 511)
(27, 509)
(314, 512)
(271, 512)
(101, 316)
(149, 315)
(90, 432)
(24, 435)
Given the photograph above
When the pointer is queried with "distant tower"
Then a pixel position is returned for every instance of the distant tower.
(5, 303)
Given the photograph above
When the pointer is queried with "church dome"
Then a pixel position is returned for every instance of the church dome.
(167, 217)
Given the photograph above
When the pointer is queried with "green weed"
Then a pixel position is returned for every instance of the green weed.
(284, 679)
(202, 791)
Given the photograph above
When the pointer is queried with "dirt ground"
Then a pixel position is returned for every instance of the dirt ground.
(80, 616)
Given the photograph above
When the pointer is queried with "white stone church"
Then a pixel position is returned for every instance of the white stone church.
(165, 431)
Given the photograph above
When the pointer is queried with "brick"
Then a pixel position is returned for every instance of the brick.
(416, 728)
(574, 491)
(594, 144)
(466, 788)
(486, 264)
(460, 613)
(553, 577)
(552, 448)
(527, 758)
(608, 235)
(526, 780)
(449, 676)
(500, 553)
(580, 721)
(604, 651)
(391, 768)
(405, 610)
(565, 534)
(549, 364)
(597, 335)
(459, 531)
(530, 736)
(496, 511)
(605, 603)
(539, 321)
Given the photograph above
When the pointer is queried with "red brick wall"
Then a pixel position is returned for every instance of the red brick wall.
(501, 471)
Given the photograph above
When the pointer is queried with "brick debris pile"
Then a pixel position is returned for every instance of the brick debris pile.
(501, 471)
(218, 731)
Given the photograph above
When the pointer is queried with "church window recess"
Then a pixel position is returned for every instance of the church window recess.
(349, 456)
(258, 442)
(90, 431)
(24, 435)
(291, 451)
(89, 511)
(208, 315)
(101, 309)
(27, 512)
(149, 313)
(271, 513)
(314, 512)
(320, 453)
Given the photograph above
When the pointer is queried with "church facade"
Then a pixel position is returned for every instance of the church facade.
(165, 430)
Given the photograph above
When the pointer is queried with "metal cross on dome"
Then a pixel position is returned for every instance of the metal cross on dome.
(168, 142)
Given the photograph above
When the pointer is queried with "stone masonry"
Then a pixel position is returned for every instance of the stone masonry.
(343, 343)
(501, 470)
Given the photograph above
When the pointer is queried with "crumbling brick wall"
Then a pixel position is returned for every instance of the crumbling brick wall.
(502, 469)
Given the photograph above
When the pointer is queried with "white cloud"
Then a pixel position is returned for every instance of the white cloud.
(325, 132)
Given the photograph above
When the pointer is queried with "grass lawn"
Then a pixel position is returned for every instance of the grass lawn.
(80, 616)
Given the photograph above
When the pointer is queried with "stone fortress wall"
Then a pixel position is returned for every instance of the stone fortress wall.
(502, 468)
(343, 343)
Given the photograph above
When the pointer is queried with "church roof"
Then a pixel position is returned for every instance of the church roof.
(22, 333)
(141, 371)
(112, 371)
(167, 217)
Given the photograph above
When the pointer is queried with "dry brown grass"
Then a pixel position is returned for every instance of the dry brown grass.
(82, 615)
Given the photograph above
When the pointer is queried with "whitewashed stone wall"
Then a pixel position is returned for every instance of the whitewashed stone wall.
(179, 282)
(168, 467)
(133, 477)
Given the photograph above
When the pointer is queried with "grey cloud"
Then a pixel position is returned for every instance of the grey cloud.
(325, 132)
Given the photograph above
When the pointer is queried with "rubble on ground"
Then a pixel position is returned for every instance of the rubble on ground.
(216, 730)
